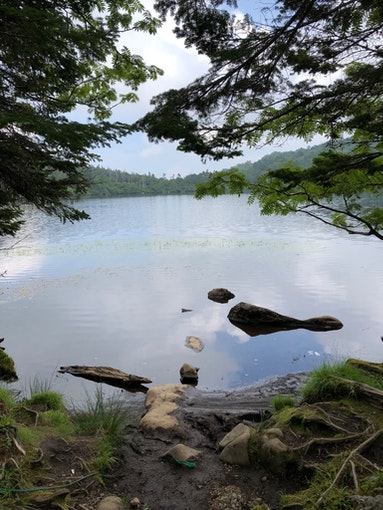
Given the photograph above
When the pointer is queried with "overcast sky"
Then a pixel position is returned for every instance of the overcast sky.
(180, 66)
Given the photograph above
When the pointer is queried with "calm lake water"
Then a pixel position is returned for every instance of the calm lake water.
(109, 291)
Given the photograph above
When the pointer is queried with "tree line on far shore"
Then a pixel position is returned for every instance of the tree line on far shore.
(106, 182)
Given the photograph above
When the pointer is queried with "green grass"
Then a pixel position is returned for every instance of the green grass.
(326, 382)
(280, 401)
(7, 368)
(7, 398)
(107, 420)
(100, 415)
(47, 400)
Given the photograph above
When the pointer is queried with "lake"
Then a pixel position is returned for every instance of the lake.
(110, 290)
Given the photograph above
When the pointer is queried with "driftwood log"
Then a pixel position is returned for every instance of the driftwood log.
(255, 320)
(108, 375)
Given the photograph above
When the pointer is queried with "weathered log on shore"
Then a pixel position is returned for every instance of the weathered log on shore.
(255, 320)
(108, 375)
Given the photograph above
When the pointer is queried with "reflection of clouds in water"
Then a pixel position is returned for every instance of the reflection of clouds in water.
(17, 267)
(272, 355)
(106, 300)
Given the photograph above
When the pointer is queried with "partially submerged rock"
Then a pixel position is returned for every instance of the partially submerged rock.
(108, 375)
(194, 343)
(189, 374)
(220, 295)
(255, 320)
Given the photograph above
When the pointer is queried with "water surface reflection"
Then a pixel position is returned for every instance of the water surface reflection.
(110, 291)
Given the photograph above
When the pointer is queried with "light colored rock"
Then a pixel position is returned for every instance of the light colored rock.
(134, 503)
(274, 432)
(110, 503)
(237, 431)
(160, 403)
(273, 445)
(194, 343)
(235, 450)
(182, 453)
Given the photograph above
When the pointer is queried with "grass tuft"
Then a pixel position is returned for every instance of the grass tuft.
(279, 402)
(330, 382)
(48, 400)
(106, 419)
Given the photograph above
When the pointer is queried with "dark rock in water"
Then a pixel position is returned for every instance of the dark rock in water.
(189, 374)
(255, 320)
(108, 375)
(220, 295)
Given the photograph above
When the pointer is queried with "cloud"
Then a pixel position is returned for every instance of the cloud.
(181, 66)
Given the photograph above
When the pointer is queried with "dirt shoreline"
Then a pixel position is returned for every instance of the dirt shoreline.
(205, 417)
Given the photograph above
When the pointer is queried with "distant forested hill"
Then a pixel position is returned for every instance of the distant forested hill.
(299, 157)
(115, 183)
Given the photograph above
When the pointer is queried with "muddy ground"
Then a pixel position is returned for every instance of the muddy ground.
(162, 484)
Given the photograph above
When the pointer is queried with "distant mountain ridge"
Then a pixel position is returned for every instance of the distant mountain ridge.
(300, 157)
(116, 183)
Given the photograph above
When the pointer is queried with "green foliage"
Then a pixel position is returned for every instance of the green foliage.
(335, 188)
(7, 368)
(305, 73)
(48, 401)
(115, 183)
(55, 57)
(327, 382)
(7, 398)
(101, 416)
(280, 401)
(107, 420)
(59, 420)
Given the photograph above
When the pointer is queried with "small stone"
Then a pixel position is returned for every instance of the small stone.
(194, 343)
(110, 503)
(189, 374)
(135, 502)
(182, 453)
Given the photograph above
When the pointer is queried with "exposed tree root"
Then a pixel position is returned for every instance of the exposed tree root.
(34, 412)
(326, 441)
(348, 460)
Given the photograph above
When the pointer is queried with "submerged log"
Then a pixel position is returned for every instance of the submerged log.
(108, 375)
(255, 320)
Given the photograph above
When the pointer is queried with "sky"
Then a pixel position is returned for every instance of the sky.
(181, 66)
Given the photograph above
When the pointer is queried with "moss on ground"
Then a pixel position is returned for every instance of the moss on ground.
(332, 441)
